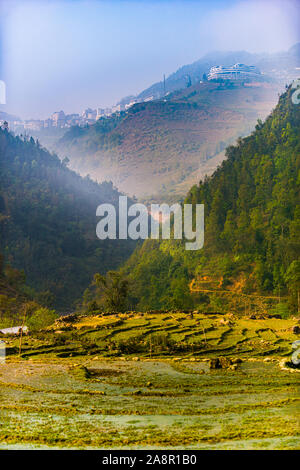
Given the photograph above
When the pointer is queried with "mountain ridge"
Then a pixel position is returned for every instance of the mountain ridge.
(196, 69)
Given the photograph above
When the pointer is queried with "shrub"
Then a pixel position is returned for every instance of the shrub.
(281, 309)
(41, 318)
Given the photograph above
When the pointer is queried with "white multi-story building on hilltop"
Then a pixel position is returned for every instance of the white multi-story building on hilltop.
(234, 72)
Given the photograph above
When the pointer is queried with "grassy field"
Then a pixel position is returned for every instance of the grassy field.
(144, 381)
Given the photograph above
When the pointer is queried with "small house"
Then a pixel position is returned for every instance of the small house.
(15, 330)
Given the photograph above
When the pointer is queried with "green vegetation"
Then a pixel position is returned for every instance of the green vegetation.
(165, 334)
(250, 261)
(110, 293)
(41, 318)
(101, 135)
(144, 380)
(204, 360)
(48, 220)
(21, 304)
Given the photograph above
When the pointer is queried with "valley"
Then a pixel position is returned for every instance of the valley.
(159, 149)
(149, 245)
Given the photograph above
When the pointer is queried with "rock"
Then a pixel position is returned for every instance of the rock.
(81, 372)
(220, 363)
(225, 362)
(288, 366)
(215, 363)
(236, 360)
(72, 317)
(296, 329)
(224, 322)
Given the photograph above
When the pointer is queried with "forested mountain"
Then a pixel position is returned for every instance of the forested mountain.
(48, 221)
(160, 149)
(252, 229)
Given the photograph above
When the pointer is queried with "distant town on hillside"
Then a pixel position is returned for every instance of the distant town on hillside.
(238, 72)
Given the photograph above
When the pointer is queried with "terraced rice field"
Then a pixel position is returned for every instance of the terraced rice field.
(81, 387)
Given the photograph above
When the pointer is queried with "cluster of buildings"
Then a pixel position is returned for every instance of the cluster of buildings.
(240, 72)
(61, 120)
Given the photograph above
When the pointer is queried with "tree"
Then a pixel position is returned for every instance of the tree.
(1, 264)
(41, 318)
(65, 161)
(188, 81)
(292, 279)
(112, 290)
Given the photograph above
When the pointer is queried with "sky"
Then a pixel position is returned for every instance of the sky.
(74, 54)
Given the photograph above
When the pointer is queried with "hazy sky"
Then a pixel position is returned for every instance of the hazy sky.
(70, 55)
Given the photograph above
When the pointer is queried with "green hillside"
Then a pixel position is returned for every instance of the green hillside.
(161, 148)
(48, 220)
(252, 225)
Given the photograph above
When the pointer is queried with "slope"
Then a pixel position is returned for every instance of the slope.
(48, 220)
(281, 66)
(252, 228)
(159, 149)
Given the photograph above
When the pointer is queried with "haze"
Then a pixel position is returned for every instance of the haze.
(72, 55)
